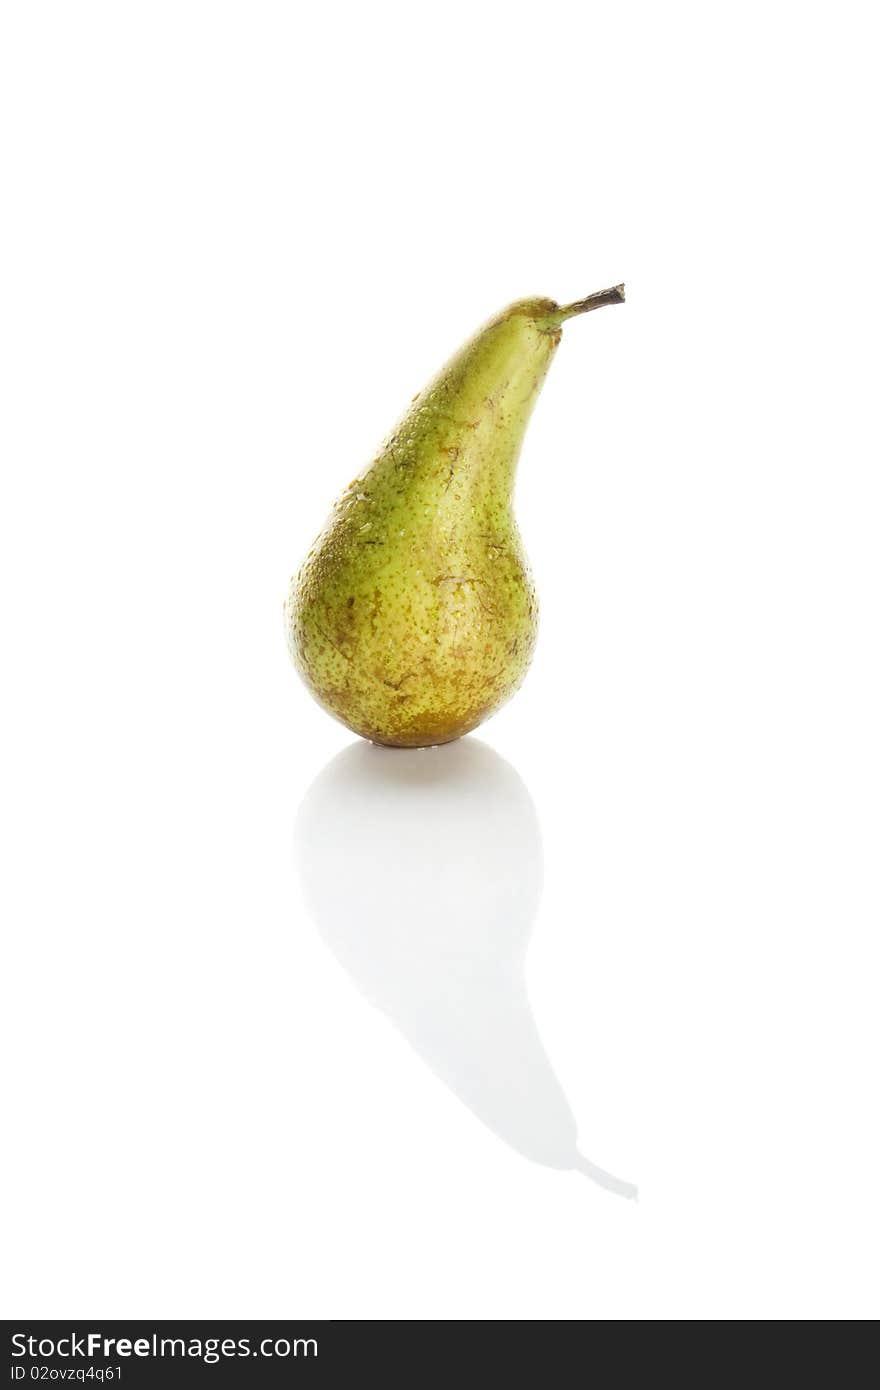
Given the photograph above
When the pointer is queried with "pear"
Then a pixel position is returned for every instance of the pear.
(414, 616)
(423, 874)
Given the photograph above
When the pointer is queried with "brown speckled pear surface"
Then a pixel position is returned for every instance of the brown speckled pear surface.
(414, 616)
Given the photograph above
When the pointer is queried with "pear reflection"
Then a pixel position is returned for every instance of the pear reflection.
(423, 872)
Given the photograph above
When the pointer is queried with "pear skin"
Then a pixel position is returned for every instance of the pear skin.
(414, 616)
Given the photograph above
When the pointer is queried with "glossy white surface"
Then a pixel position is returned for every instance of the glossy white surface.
(297, 1027)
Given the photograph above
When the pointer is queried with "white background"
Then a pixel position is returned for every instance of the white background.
(237, 238)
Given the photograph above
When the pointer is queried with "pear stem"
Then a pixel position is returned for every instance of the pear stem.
(615, 295)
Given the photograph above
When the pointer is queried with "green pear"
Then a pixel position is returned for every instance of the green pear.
(414, 616)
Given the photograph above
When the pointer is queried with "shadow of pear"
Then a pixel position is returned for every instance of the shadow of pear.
(423, 872)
